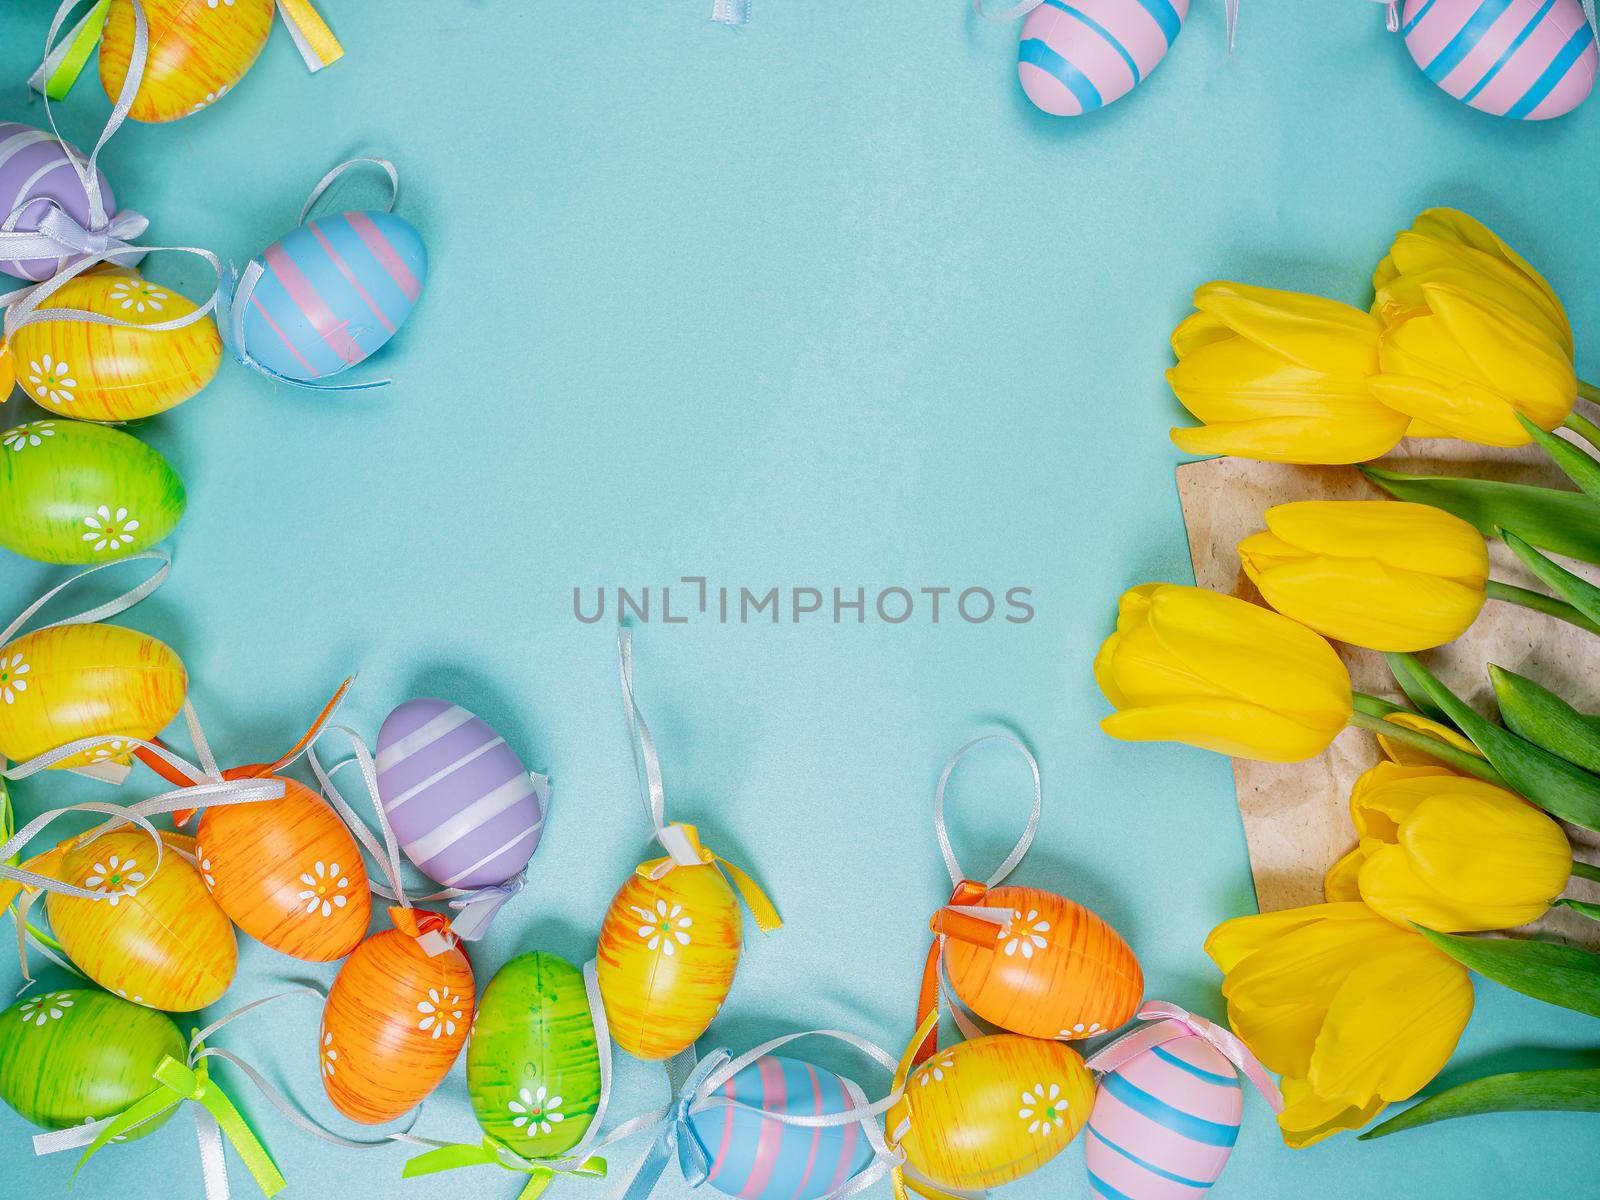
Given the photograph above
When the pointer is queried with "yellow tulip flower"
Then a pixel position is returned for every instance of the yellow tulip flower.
(1188, 665)
(1449, 853)
(1352, 1010)
(1376, 573)
(1280, 376)
(1407, 754)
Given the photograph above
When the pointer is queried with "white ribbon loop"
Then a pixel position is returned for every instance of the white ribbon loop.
(1166, 1023)
(943, 834)
(99, 612)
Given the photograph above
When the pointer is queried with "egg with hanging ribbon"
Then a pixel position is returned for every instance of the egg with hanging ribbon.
(77, 1055)
(67, 682)
(73, 492)
(1527, 59)
(1076, 56)
(77, 368)
(989, 1111)
(669, 946)
(156, 936)
(396, 1017)
(39, 184)
(533, 1062)
(198, 51)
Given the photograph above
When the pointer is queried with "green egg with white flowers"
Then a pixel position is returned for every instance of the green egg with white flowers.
(80, 1054)
(533, 1062)
(77, 493)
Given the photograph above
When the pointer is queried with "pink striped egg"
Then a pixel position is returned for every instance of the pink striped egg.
(1164, 1123)
(1079, 55)
(1529, 59)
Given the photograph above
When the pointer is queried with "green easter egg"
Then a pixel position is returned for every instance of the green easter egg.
(74, 492)
(78, 1055)
(533, 1066)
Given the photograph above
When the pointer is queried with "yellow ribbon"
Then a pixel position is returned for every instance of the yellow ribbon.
(897, 1177)
(761, 908)
(311, 34)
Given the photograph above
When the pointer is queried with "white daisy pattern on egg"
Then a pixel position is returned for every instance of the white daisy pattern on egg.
(665, 929)
(1043, 1108)
(43, 1009)
(324, 889)
(12, 677)
(114, 879)
(441, 1012)
(1025, 935)
(932, 1071)
(30, 433)
(115, 748)
(211, 97)
(203, 861)
(50, 380)
(138, 295)
(536, 1111)
(110, 529)
(330, 1056)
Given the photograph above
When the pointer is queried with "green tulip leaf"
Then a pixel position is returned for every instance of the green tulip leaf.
(1562, 975)
(1577, 466)
(1545, 719)
(1579, 593)
(1408, 683)
(1554, 784)
(1561, 522)
(1573, 1089)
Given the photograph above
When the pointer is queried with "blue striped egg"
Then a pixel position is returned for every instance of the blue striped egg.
(1164, 1123)
(758, 1158)
(461, 803)
(331, 293)
(1079, 55)
(1528, 59)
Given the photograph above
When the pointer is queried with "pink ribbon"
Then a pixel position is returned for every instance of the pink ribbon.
(1170, 1024)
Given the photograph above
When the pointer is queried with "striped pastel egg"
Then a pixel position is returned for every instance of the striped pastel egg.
(668, 951)
(458, 798)
(1164, 1123)
(989, 1111)
(533, 1063)
(77, 368)
(36, 176)
(332, 293)
(80, 1054)
(757, 1157)
(74, 492)
(67, 682)
(198, 50)
(1079, 55)
(1059, 971)
(1529, 59)
(158, 938)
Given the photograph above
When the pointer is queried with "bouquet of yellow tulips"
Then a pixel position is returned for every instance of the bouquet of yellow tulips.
(1358, 1002)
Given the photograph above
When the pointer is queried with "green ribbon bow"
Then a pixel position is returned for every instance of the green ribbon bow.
(493, 1153)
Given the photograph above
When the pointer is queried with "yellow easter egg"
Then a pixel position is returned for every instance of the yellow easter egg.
(668, 950)
(158, 938)
(75, 681)
(75, 368)
(198, 50)
(991, 1110)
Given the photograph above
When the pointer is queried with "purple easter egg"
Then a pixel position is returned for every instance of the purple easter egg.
(36, 174)
(461, 803)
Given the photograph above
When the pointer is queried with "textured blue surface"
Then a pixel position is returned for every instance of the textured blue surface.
(817, 302)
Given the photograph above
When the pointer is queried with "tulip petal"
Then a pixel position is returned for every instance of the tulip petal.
(1341, 882)
(1235, 380)
(1385, 795)
(1460, 409)
(1317, 333)
(1229, 727)
(1197, 330)
(1308, 1118)
(1406, 755)
(1412, 537)
(1280, 1036)
(1367, 603)
(1308, 961)
(1482, 844)
(1392, 888)
(1511, 356)
(1233, 941)
(1300, 440)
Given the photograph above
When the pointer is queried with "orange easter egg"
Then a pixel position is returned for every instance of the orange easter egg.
(668, 950)
(75, 681)
(1059, 971)
(395, 1020)
(198, 49)
(76, 368)
(160, 939)
(287, 872)
(989, 1111)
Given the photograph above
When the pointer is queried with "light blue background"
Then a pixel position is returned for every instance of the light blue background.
(820, 302)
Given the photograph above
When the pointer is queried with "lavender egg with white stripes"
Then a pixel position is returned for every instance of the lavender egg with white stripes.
(1079, 55)
(461, 804)
(36, 176)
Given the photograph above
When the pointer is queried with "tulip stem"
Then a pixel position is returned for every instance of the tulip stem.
(1592, 911)
(1451, 756)
(1582, 870)
(1511, 594)
(1580, 424)
(1589, 392)
(1375, 706)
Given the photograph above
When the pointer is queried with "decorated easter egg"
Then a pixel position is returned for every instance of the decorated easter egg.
(78, 1055)
(36, 177)
(287, 872)
(1081, 55)
(1059, 971)
(461, 803)
(332, 293)
(1529, 59)
(1164, 1123)
(75, 368)
(67, 682)
(989, 1111)
(72, 492)
(159, 938)
(395, 1020)
(758, 1157)
(533, 1065)
(668, 951)
(197, 51)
